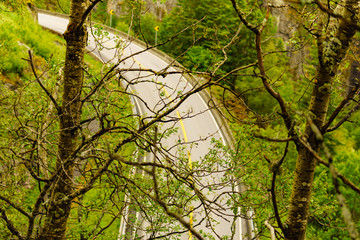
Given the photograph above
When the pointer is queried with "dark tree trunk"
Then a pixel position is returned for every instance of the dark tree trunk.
(59, 210)
(332, 49)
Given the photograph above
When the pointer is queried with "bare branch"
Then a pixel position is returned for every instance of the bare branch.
(345, 118)
(42, 85)
(275, 170)
(336, 15)
(14, 206)
(185, 223)
(86, 14)
(323, 162)
(10, 225)
(347, 216)
(243, 19)
(340, 107)
(271, 228)
(257, 31)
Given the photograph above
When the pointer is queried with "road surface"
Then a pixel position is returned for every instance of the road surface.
(195, 121)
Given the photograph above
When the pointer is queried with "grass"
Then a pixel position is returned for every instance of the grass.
(19, 33)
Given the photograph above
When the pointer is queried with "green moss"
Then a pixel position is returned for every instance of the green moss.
(326, 88)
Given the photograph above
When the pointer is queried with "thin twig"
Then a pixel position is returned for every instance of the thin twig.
(336, 15)
(15, 206)
(271, 228)
(340, 107)
(10, 225)
(41, 84)
(345, 118)
(275, 170)
(347, 216)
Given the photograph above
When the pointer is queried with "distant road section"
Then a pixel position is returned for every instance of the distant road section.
(196, 123)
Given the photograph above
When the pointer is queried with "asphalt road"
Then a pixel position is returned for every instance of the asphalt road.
(200, 127)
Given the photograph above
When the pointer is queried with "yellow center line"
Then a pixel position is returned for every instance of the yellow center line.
(185, 140)
(189, 159)
(180, 120)
(177, 112)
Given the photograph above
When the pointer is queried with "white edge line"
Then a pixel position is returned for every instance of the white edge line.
(211, 115)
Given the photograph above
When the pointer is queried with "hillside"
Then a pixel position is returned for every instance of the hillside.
(130, 148)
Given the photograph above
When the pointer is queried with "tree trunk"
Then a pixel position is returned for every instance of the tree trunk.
(332, 49)
(58, 209)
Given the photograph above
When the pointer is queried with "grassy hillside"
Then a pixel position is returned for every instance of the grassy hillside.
(19, 33)
(22, 100)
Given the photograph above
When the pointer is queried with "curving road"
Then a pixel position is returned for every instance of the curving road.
(199, 126)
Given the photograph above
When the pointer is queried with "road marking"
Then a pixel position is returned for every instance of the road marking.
(186, 140)
(189, 155)
(180, 120)
(61, 28)
(191, 219)
(177, 112)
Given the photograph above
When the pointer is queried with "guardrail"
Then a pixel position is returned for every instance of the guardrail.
(205, 95)
(212, 103)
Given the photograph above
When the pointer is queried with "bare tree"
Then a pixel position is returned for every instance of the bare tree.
(333, 29)
(88, 142)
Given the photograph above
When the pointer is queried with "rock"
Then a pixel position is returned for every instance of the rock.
(157, 8)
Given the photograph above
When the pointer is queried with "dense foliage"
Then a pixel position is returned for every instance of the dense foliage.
(214, 43)
(27, 116)
(18, 34)
(199, 49)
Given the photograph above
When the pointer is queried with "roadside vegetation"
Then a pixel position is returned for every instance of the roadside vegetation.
(265, 150)
(25, 108)
(249, 107)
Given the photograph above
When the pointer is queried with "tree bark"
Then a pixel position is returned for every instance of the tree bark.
(58, 209)
(332, 49)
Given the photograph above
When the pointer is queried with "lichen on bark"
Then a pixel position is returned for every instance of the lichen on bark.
(59, 209)
(333, 46)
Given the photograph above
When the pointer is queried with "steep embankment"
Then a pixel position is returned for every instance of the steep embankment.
(18, 34)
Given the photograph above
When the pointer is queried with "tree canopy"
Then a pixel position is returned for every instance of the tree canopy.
(86, 152)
